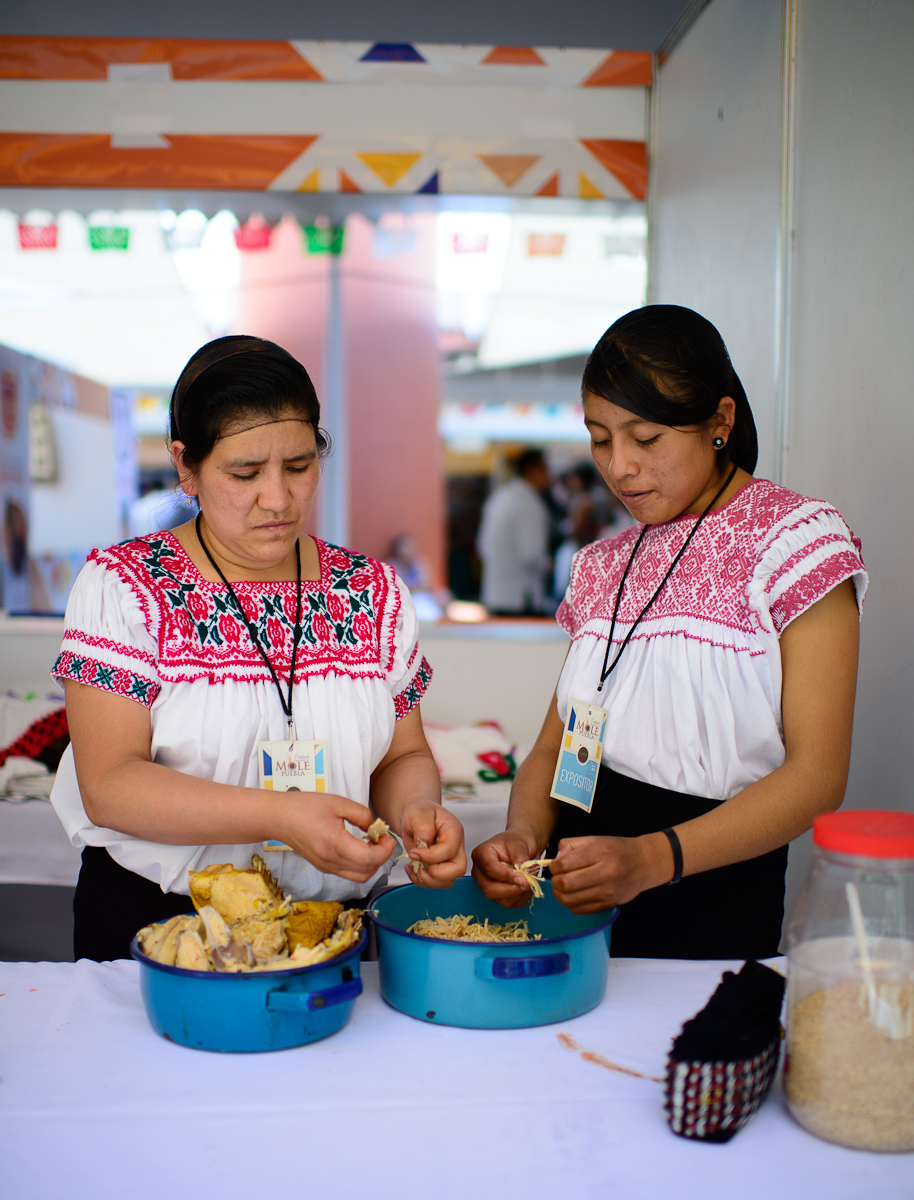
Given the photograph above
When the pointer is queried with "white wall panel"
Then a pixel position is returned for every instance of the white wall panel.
(716, 209)
(715, 190)
(851, 412)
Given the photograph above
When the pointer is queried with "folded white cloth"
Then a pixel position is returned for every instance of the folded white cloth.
(25, 779)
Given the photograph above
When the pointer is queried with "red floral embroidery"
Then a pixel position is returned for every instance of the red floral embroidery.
(348, 618)
(276, 633)
(197, 605)
(711, 583)
(230, 630)
(336, 607)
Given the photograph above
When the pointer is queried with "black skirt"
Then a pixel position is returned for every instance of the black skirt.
(730, 912)
(111, 904)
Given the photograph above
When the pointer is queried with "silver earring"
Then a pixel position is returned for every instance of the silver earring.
(718, 443)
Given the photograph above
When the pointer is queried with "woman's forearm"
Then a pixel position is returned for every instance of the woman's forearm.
(764, 816)
(158, 804)
(531, 810)
(404, 781)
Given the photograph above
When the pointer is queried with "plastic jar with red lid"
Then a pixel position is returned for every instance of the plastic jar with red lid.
(849, 1068)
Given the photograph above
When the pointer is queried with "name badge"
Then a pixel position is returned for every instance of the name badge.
(578, 765)
(291, 767)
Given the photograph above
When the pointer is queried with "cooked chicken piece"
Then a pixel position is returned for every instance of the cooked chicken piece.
(191, 953)
(160, 941)
(236, 893)
(227, 952)
(311, 921)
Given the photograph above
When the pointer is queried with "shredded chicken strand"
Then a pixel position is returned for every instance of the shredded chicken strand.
(376, 830)
(533, 881)
(461, 928)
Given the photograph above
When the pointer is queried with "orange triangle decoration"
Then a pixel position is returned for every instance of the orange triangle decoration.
(189, 58)
(622, 68)
(218, 161)
(346, 184)
(311, 184)
(391, 167)
(550, 187)
(588, 190)
(509, 167)
(513, 56)
(627, 161)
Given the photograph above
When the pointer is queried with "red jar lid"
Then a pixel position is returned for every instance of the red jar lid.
(866, 833)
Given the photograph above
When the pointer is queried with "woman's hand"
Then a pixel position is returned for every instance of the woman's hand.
(313, 824)
(406, 793)
(493, 866)
(433, 838)
(590, 874)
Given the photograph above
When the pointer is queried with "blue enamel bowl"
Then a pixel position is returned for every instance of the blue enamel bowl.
(265, 1010)
(496, 985)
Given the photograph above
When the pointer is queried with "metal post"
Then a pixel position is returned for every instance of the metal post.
(333, 510)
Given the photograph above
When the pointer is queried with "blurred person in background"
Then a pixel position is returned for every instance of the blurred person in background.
(513, 541)
(580, 525)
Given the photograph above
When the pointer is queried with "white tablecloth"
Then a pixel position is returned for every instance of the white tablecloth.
(33, 845)
(94, 1104)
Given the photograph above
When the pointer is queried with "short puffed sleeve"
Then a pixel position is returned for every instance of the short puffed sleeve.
(409, 673)
(107, 643)
(810, 552)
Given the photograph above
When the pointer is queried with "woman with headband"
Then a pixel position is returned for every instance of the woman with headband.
(703, 715)
(237, 682)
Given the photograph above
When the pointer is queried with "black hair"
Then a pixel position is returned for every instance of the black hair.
(669, 365)
(528, 460)
(234, 378)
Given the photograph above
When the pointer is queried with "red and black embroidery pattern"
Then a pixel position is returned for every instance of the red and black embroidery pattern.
(106, 677)
(348, 624)
(712, 581)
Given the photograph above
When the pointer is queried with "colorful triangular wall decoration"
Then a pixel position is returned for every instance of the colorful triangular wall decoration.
(586, 189)
(509, 167)
(513, 56)
(627, 161)
(389, 167)
(398, 52)
(347, 183)
(622, 68)
(413, 93)
(311, 184)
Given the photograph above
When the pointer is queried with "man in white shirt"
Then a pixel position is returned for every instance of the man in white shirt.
(513, 541)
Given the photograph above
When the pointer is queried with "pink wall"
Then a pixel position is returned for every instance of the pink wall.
(391, 367)
(393, 387)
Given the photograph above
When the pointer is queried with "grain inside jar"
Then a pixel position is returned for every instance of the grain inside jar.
(846, 1080)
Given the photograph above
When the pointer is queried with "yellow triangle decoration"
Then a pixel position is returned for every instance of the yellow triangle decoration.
(587, 190)
(311, 184)
(390, 167)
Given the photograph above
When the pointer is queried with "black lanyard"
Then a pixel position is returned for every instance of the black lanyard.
(605, 674)
(286, 703)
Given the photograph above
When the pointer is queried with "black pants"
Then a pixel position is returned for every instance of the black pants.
(731, 912)
(111, 904)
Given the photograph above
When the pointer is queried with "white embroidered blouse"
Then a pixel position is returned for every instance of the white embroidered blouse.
(695, 700)
(142, 622)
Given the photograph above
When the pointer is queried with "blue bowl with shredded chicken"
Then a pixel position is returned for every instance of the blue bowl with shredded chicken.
(490, 985)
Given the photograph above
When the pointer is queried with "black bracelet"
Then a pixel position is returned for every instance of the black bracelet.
(677, 856)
